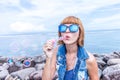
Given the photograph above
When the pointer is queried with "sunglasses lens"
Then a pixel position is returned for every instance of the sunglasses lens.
(73, 28)
(62, 28)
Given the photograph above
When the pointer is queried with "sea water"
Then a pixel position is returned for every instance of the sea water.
(30, 44)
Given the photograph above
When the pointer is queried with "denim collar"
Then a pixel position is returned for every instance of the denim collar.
(81, 53)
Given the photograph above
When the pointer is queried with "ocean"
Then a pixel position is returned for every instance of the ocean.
(30, 44)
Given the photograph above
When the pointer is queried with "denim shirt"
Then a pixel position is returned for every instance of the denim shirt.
(80, 69)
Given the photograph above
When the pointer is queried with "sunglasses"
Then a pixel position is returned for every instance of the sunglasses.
(72, 28)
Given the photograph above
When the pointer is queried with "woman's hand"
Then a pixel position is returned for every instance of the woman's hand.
(50, 64)
(48, 48)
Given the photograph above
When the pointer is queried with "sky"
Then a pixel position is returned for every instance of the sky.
(31, 16)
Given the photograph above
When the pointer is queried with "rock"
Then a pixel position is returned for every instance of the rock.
(19, 58)
(23, 73)
(110, 69)
(11, 77)
(110, 56)
(98, 55)
(113, 75)
(105, 77)
(5, 65)
(39, 66)
(117, 53)
(99, 73)
(55, 76)
(3, 59)
(1, 64)
(3, 72)
(105, 59)
(101, 63)
(40, 59)
(13, 68)
(113, 61)
(37, 75)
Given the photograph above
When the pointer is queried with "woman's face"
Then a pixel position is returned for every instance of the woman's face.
(70, 37)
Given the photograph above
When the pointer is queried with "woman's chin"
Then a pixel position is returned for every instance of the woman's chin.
(68, 43)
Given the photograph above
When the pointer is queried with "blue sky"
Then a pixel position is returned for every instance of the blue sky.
(27, 16)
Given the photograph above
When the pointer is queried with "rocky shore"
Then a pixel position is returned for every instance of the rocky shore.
(30, 68)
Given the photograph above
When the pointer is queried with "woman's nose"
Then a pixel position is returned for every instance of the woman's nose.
(67, 30)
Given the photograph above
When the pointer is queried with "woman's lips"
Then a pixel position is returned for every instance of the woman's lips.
(67, 37)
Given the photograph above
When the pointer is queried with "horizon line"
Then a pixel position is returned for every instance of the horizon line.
(33, 33)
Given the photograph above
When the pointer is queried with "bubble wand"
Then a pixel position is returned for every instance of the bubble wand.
(59, 39)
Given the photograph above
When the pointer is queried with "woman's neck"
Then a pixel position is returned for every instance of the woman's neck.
(71, 55)
(71, 48)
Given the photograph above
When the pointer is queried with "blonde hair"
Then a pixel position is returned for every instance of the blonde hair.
(74, 20)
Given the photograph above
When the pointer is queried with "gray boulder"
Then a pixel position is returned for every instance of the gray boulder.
(113, 75)
(40, 59)
(109, 69)
(23, 73)
(3, 72)
(37, 75)
(39, 66)
(113, 61)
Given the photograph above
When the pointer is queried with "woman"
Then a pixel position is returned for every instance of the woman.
(70, 59)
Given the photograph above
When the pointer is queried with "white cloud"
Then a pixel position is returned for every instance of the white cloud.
(108, 22)
(107, 19)
(55, 8)
(26, 27)
(45, 11)
(10, 2)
